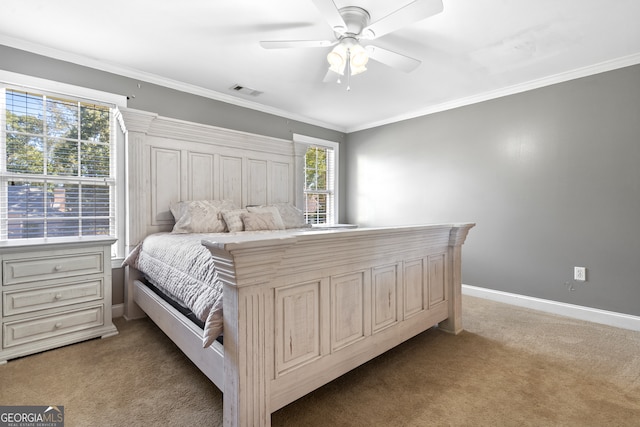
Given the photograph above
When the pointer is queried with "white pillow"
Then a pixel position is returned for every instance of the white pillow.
(292, 217)
(233, 219)
(279, 225)
(257, 221)
(200, 216)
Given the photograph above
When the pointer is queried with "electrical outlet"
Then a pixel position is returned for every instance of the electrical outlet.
(580, 274)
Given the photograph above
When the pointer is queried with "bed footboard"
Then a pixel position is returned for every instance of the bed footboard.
(300, 311)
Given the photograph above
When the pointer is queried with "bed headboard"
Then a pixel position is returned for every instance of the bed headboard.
(170, 160)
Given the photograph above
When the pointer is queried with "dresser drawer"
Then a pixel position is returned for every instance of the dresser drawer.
(24, 301)
(51, 267)
(46, 327)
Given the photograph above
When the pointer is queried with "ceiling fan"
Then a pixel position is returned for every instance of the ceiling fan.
(351, 24)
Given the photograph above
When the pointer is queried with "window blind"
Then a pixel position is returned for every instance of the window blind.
(57, 174)
(319, 185)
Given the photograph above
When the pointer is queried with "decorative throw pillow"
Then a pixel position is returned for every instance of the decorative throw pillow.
(257, 221)
(200, 216)
(292, 217)
(233, 219)
(279, 225)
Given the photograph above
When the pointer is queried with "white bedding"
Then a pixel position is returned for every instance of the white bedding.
(183, 268)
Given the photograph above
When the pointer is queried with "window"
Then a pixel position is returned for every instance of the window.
(57, 168)
(320, 180)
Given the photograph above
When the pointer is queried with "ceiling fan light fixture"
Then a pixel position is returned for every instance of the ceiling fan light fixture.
(337, 59)
(357, 70)
(338, 69)
(351, 52)
(358, 56)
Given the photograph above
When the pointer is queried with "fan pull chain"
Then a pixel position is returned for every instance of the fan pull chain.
(348, 70)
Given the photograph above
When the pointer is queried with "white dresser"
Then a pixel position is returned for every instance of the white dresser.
(54, 294)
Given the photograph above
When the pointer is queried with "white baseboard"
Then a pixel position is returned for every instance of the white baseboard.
(117, 310)
(604, 317)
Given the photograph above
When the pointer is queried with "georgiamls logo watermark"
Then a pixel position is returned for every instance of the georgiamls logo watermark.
(31, 416)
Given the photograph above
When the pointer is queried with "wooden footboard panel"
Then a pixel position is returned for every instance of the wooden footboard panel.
(300, 311)
(306, 376)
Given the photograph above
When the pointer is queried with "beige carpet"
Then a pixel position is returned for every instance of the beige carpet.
(511, 367)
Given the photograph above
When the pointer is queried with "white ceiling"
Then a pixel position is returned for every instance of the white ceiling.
(472, 51)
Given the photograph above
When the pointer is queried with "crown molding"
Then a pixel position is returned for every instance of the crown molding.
(158, 80)
(218, 96)
(601, 67)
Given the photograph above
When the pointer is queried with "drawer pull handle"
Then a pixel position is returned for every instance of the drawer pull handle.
(58, 296)
(58, 325)
(57, 267)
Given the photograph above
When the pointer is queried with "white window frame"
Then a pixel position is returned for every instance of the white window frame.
(36, 84)
(307, 141)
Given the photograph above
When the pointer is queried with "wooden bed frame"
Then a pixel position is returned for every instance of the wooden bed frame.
(299, 310)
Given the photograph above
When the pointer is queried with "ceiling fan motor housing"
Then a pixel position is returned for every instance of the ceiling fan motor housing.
(355, 18)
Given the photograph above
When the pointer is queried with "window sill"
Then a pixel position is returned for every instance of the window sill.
(333, 226)
(15, 243)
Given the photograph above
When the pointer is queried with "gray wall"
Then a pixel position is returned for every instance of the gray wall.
(550, 176)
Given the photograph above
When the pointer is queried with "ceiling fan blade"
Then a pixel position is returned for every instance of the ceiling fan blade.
(287, 44)
(331, 77)
(406, 15)
(392, 59)
(331, 14)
